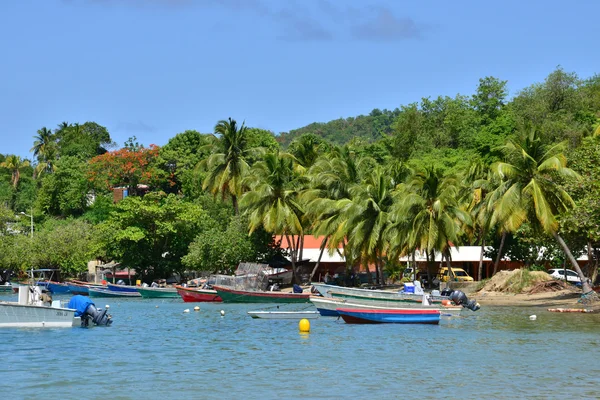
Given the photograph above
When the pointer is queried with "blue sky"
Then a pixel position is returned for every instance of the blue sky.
(154, 68)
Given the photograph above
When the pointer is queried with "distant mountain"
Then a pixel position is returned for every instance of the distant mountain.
(340, 131)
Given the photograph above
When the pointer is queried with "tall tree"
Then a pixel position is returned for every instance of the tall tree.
(530, 170)
(227, 166)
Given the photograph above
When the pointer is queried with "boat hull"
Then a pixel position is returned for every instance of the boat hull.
(327, 306)
(195, 295)
(326, 290)
(6, 289)
(58, 288)
(390, 316)
(98, 292)
(122, 288)
(13, 315)
(284, 314)
(241, 296)
(158, 293)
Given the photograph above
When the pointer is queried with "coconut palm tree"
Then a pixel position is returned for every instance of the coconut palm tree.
(366, 217)
(14, 164)
(531, 192)
(44, 149)
(272, 201)
(427, 213)
(227, 166)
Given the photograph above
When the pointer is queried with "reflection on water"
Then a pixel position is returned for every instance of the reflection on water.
(160, 352)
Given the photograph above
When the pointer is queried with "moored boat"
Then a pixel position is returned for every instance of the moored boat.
(327, 290)
(122, 288)
(284, 314)
(196, 295)
(6, 288)
(230, 295)
(158, 292)
(327, 306)
(57, 287)
(394, 316)
(105, 292)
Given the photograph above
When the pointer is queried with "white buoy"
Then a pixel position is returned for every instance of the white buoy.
(222, 313)
(156, 306)
(186, 310)
(533, 317)
(196, 308)
(107, 306)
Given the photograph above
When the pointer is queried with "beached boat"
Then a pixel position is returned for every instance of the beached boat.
(393, 316)
(33, 311)
(284, 314)
(158, 292)
(230, 295)
(327, 290)
(327, 306)
(105, 292)
(196, 295)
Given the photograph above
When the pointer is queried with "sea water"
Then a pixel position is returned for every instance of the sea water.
(155, 350)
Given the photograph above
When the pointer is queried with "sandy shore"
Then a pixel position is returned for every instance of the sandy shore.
(563, 298)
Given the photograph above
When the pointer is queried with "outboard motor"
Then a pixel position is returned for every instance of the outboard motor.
(461, 299)
(86, 309)
(446, 291)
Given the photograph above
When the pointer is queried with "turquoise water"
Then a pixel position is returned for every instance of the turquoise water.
(155, 351)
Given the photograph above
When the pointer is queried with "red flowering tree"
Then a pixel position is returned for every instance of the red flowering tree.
(129, 167)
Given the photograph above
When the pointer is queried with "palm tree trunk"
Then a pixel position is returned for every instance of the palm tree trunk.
(322, 249)
(291, 246)
(481, 259)
(236, 207)
(499, 256)
(585, 283)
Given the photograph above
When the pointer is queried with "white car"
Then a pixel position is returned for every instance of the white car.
(559, 273)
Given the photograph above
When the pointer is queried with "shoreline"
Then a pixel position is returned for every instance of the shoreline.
(563, 298)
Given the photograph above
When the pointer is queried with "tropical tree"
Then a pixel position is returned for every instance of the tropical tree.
(227, 165)
(272, 201)
(14, 164)
(427, 216)
(44, 149)
(532, 194)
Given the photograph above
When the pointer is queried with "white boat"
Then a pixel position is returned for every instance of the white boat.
(284, 314)
(327, 306)
(30, 311)
(327, 290)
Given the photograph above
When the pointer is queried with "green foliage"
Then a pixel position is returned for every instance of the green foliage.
(151, 234)
(99, 210)
(64, 192)
(83, 141)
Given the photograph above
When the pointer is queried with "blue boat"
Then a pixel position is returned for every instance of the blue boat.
(58, 288)
(122, 288)
(105, 292)
(390, 316)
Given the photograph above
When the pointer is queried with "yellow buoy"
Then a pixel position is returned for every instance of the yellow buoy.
(196, 308)
(304, 325)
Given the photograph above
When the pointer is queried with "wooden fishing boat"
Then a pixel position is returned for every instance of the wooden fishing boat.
(57, 287)
(327, 306)
(247, 296)
(158, 292)
(393, 316)
(196, 295)
(326, 290)
(284, 314)
(122, 288)
(105, 292)
(82, 288)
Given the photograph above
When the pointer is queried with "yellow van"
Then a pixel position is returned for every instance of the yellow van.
(459, 275)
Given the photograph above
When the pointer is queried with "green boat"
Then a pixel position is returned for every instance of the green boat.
(158, 292)
(246, 296)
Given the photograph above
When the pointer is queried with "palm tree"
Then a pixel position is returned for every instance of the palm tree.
(427, 213)
(531, 192)
(14, 164)
(272, 201)
(330, 180)
(366, 217)
(44, 148)
(227, 166)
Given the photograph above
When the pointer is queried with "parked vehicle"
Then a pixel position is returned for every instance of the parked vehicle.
(559, 273)
(458, 274)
